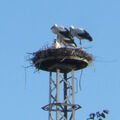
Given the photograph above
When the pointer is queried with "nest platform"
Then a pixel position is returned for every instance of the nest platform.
(65, 59)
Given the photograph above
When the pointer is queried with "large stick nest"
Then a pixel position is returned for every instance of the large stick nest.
(64, 59)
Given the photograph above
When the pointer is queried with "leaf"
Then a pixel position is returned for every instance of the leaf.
(92, 115)
(98, 114)
(106, 111)
(103, 115)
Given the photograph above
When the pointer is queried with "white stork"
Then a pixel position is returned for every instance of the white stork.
(67, 41)
(63, 35)
(80, 34)
(56, 44)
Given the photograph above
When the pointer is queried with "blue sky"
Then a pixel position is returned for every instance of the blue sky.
(25, 27)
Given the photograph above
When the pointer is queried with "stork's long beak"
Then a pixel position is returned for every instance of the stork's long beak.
(52, 27)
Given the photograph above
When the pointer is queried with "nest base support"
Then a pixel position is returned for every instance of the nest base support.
(61, 106)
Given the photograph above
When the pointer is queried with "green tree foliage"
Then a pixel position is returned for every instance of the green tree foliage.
(98, 115)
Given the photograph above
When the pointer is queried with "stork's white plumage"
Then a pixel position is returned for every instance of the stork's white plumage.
(63, 35)
(80, 33)
(66, 41)
(61, 31)
(56, 44)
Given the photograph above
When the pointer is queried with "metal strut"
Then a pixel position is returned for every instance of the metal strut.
(65, 95)
(57, 93)
(61, 102)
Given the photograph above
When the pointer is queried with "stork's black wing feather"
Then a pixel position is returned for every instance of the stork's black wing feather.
(66, 33)
(70, 42)
(82, 35)
(85, 36)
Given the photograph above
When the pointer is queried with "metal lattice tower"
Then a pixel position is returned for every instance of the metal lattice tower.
(61, 87)
(65, 107)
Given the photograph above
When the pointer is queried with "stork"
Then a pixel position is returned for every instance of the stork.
(80, 33)
(56, 44)
(66, 41)
(63, 35)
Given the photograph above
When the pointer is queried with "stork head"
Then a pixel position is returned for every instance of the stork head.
(55, 25)
(72, 27)
(72, 32)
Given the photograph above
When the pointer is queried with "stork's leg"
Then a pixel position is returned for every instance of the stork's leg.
(59, 39)
(80, 44)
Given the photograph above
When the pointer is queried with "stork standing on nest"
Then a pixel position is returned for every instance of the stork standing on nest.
(56, 44)
(63, 35)
(80, 34)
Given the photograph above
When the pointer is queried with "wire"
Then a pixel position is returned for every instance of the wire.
(25, 75)
(25, 83)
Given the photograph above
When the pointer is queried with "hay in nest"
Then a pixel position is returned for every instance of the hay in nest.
(64, 59)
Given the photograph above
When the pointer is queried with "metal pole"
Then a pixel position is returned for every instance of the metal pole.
(58, 93)
(50, 93)
(65, 95)
(73, 94)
